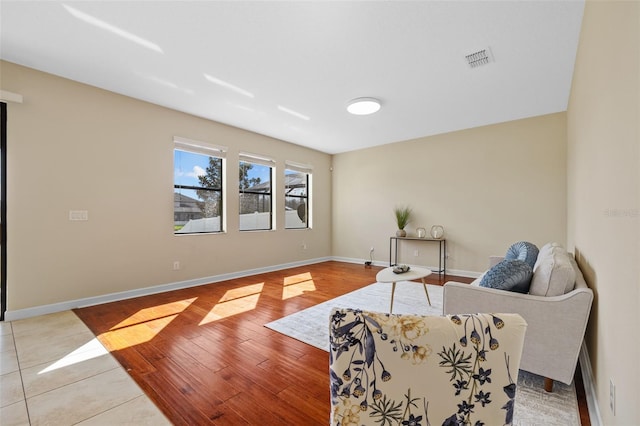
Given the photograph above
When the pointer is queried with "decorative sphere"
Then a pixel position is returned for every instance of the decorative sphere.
(437, 231)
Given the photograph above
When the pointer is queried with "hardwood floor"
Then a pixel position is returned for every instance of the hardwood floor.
(203, 355)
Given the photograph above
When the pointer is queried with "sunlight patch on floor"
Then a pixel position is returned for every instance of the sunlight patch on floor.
(296, 285)
(296, 279)
(90, 350)
(240, 292)
(235, 301)
(155, 312)
(136, 334)
(144, 325)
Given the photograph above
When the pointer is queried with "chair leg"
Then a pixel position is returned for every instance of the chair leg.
(548, 384)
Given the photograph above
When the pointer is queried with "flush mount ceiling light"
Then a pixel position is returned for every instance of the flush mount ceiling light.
(363, 106)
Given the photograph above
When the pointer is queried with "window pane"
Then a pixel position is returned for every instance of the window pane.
(197, 193)
(295, 215)
(296, 200)
(257, 220)
(255, 196)
(195, 213)
(191, 169)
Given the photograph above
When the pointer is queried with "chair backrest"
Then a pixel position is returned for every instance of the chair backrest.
(395, 369)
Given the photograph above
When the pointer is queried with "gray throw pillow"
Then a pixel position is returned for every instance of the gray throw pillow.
(554, 274)
(509, 274)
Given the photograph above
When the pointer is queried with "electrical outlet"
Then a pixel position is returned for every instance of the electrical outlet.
(176, 265)
(371, 250)
(416, 253)
(303, 246)
(612, 396)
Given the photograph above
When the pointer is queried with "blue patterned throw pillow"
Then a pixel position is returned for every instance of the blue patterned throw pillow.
(523, 250)
(509, 274)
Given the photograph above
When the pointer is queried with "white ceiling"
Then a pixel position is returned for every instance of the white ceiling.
(237, 62)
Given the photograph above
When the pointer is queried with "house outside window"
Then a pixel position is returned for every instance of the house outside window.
(198, 205)
(297, 181)
(256, 192)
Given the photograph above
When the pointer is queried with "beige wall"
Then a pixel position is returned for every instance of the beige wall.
(488, 187)
(75, 147)
(604, 189)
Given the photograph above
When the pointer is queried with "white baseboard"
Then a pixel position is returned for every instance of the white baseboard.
(463, 273)
(458, 272)
(357, 261)
(114, 297)
(589, 388)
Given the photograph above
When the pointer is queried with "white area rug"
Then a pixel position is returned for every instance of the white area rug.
(534, 406)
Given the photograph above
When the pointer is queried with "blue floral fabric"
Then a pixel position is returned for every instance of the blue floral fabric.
(410, 370)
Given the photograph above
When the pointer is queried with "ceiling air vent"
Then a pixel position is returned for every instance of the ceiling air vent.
(479, 58)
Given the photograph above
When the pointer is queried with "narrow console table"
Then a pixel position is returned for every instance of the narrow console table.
(442, 254)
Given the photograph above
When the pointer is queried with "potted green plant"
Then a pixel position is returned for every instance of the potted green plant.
(403, 216)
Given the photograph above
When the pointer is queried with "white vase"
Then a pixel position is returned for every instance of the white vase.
(437, 231)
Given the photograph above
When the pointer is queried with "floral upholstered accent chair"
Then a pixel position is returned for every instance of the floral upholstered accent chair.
(411, 370)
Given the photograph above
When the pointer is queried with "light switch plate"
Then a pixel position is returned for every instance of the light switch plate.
(78, 215)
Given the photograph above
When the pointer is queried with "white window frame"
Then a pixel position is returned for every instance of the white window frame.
(308, 170)
(261, 160)
(209, 150)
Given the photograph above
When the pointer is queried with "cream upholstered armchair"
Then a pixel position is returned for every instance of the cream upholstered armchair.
(395, 369)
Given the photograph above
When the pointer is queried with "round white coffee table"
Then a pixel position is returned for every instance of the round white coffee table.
(388, 276)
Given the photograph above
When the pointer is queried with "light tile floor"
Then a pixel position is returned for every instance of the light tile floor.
(53, 371)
